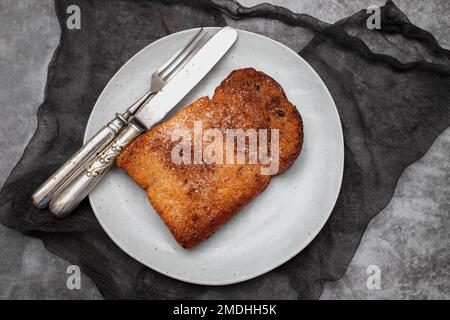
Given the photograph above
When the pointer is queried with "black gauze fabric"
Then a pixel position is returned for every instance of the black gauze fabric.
(391, 88)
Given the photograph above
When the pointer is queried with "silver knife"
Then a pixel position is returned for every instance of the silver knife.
(42, 195)
(68, 197)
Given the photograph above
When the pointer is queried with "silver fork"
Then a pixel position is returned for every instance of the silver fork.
(42, 196)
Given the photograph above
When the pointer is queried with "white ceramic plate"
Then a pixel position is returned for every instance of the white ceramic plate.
(276, 225)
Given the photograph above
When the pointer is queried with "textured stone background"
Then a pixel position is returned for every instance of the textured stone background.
(409, 240)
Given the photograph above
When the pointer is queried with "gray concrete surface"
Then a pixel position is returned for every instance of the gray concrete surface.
(29, 34)
(408, 241)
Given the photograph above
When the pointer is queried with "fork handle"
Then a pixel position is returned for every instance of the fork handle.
(42, 196)
(72, 193)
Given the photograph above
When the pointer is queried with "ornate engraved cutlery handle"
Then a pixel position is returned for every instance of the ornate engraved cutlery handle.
(72, 193)
(42, 196)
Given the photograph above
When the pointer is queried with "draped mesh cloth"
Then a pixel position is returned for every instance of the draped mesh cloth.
(391, 88)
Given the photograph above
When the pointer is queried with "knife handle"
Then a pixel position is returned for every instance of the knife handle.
(71, 194)
(42, 196)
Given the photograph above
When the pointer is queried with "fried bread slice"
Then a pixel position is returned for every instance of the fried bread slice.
(194, 199)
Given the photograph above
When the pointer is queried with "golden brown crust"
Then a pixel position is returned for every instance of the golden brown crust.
(254, 85)
(196, 199)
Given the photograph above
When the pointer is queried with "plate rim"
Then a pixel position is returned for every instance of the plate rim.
(299, 248)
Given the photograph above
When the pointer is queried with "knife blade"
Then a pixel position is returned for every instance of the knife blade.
(70, 195)
(199, 65)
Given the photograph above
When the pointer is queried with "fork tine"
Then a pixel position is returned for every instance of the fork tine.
(182, 57)
(168, 74)
(178, 53)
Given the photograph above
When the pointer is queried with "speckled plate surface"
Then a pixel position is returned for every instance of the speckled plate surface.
(271, 229)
